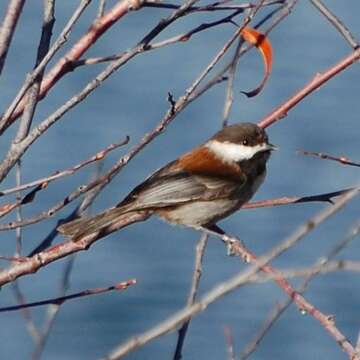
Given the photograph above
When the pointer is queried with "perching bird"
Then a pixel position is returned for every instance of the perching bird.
(199, 188)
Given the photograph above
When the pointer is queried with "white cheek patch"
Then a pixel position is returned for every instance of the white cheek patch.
(229, 152)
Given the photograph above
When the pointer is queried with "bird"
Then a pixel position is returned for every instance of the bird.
(198, 189)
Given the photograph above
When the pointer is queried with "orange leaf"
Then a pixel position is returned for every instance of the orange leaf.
(261, 42)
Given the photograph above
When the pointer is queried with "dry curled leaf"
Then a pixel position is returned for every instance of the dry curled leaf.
(262, 43)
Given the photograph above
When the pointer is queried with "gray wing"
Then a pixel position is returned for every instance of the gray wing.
(167, 188)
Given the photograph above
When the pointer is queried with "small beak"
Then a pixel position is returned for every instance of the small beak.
(271, 147)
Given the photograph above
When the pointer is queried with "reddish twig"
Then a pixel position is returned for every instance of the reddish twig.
(8, 28)
(31, 78)
(16, 152)
(98, 28)
(224, 288)
(279, 309)
(327, 322)
(64, 249)
(60, 300)
(327, 197)
(319, 79)
(342, 159)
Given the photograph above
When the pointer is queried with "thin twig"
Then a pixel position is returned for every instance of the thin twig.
(342, 159)
(63, 66)
(18, 232)
(53, 310)
(286, 200)
(65, 248)
(318, 80)
(358, 343)
(43, 183)
(327, 197)
(318, 269)
(156, 45)
(199, 254)
(13, 258)
(26, 314)
(31, 96)
(279, 309)
(229, 343)
(8, 26)
(6, 120)
(338, 24)
(211, 7)
(60, 300)
(221, 76)
(100, 155)
(101, 9)
(19, 295)
(229, 95)
(224, 288)
(180, 104)
(14, 153)
(78, 212)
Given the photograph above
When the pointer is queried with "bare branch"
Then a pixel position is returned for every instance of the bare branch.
(279, 309)
(6, 119)
(343, 160)
(100, 155)
(26, 314)
(64, 249)
(53, 310)
(326, 197)
(60, 300)
(8, 28)
(33, 92)
(229, 343)
(318, 80)
(229, 96)
(224, 288)
(101, 10)
(338, 24)
(97, 29)
(199, 254)
(217, 6)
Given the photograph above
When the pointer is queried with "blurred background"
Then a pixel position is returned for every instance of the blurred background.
(159, 256)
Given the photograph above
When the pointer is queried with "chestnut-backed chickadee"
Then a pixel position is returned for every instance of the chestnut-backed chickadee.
(198, 189)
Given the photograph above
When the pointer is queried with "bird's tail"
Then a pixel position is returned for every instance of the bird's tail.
(88, 225)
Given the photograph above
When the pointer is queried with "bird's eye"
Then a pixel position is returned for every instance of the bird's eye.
(245, 142)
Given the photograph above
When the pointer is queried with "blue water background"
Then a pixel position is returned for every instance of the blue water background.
(159, 256)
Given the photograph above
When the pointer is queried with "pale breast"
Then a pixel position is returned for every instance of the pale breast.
(199, 213)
